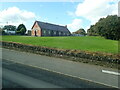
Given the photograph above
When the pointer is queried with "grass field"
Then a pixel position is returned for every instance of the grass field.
(88, 43)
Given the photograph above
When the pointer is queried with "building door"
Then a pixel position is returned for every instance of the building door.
(35, 33)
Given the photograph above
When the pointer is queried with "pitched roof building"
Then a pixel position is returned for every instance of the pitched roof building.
(48, 29)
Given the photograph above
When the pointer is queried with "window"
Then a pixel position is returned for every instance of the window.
(44, 31)
(34, 29)
(55, 32)
(59, 33)
(49, 32)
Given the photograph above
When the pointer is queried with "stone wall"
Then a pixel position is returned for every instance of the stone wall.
(75, 54)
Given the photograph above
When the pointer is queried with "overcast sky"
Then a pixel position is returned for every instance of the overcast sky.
(74, 14)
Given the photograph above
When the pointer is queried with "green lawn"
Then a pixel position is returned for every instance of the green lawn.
(88, 43)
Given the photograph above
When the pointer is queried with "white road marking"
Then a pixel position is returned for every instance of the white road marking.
(110, 72)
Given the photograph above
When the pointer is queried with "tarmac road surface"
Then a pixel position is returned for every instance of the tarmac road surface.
(77, 70)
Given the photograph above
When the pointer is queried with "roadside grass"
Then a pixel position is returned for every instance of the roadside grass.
(87, 43)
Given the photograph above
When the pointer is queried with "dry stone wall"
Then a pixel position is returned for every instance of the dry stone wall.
(75, 54)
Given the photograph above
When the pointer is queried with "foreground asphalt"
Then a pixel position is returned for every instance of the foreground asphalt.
(29, 77)
(81, 71)
(25, 80)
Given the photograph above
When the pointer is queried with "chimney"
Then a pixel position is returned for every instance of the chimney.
(66, 26)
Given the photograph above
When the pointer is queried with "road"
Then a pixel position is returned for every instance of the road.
(29, 77)
(26, 81)
(64, 68)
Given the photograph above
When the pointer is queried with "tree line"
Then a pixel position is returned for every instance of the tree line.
(108, 27)
(20, 30)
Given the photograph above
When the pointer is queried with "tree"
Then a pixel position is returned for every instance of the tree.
(92, 31)
(9, 27)
(80, 31)
(108, 27)
(1, 31)
(21, 29)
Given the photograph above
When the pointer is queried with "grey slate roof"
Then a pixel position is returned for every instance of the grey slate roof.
(54, 27)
